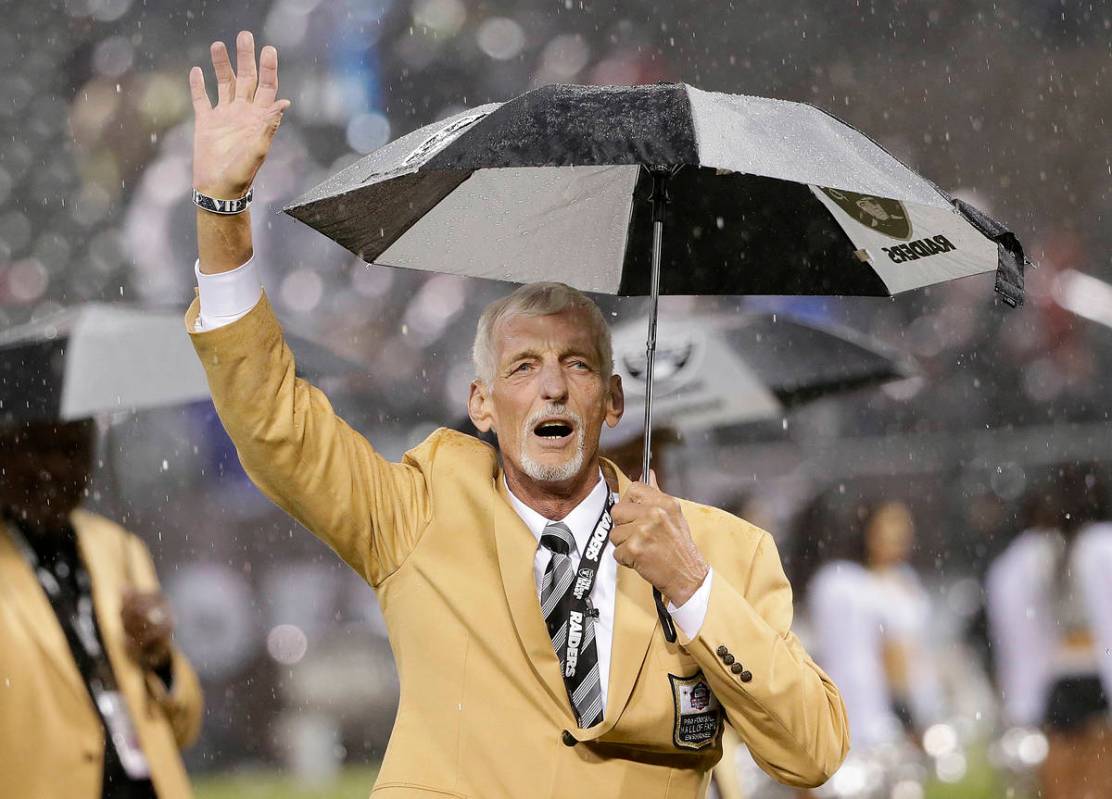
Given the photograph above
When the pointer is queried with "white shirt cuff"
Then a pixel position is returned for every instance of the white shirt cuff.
(227, 296)
(690, 615)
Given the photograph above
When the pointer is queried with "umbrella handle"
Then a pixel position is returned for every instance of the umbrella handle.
(659, 199)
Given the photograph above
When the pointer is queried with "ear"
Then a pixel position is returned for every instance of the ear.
(479, 407)
(615, 403)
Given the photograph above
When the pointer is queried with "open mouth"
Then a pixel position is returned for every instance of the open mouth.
(553, 429)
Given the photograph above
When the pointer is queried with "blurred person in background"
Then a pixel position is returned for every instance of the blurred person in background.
(95, 701)
(869, 619)
(1049, 599)
(910, 668)
(868, 615)
(521, 674)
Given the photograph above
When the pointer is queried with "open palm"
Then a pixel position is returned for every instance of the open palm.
(232, 138)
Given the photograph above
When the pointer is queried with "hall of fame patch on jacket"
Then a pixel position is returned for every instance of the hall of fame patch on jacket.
(698, 712)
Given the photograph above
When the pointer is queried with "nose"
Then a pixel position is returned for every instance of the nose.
(554, 383)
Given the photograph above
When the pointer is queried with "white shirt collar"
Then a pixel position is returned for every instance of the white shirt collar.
(581, 521)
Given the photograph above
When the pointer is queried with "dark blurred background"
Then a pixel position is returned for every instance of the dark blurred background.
(1004, 104)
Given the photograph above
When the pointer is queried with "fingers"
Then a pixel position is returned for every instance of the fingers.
(197, 92)
(626, 555)
(646, 494)
(268, 77)
(225, 78)
(620, 533)
(652, 479)
(144, 611)
(246, 75)
(273, 121)
(625, 512)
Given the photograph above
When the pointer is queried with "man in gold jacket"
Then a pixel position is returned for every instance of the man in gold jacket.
(463, 543)
(55, 737)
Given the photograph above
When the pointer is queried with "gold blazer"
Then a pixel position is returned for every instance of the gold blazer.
(483, 710)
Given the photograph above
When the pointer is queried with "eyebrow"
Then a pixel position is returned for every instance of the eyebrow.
(574, 352)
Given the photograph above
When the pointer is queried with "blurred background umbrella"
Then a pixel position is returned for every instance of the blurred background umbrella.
(96, 359)
(728, 370)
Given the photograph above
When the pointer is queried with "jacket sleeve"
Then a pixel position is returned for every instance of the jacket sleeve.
(784, 708)
(305, 458)
(182, 702)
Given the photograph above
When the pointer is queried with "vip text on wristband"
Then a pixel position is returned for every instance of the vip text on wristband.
(227, 207)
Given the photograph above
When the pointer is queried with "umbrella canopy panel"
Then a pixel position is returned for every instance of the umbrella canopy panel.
(765, 197)
(29, 389)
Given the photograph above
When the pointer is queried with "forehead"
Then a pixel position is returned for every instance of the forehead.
(569, 330)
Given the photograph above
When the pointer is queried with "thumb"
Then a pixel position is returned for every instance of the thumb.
(277, 111)
(274, 119)
(652, 479)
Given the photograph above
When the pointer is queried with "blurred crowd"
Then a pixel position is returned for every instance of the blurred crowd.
(1004, 104)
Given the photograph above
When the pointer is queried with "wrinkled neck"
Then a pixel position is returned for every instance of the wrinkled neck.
(552, 500)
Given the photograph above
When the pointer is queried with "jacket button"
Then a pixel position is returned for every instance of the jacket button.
(722, 651)
(737, 668)
(745, 676)
(568, 739)
(728, 659)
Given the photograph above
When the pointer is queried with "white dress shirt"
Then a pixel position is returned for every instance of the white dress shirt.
(228, 296)
(581, 521)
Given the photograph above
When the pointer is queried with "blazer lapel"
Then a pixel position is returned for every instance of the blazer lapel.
(634, 622)
(516, 549)
(104, 559)
(20, 587)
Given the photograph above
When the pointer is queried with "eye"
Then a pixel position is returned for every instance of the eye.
(521, 367)
(582, 365)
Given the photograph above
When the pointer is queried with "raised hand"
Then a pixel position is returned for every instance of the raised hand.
(232, 138)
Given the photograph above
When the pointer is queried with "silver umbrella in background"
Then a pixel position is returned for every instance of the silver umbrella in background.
(98, 358)
(579, 184)
(726, 370)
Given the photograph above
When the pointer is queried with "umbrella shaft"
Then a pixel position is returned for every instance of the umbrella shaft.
(650, 344)
(659, 199)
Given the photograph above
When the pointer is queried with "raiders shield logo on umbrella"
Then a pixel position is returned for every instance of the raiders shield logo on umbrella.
(878, 213)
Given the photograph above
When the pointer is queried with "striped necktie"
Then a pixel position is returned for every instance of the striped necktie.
(557, 601)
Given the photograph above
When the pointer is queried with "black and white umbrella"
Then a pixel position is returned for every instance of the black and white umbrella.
(766, 197)
(100, 358)
(578, 183)
(720, 371)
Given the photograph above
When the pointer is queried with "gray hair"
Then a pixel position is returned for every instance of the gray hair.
(538, 299)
